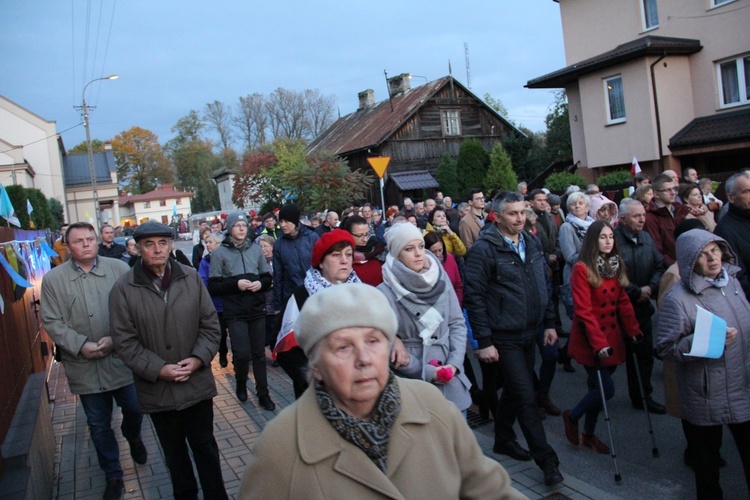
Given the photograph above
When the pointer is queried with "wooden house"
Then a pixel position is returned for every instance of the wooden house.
(415, 127)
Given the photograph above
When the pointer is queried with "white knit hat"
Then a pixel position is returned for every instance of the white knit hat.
(343, 306)
(399, 235)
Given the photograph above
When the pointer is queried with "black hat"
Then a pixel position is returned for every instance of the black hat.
(290, 213)
(152, 228)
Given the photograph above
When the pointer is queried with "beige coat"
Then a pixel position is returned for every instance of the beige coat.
(75, 309)
(432, 453)
(469, 228)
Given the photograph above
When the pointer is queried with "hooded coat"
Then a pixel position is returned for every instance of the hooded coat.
(712, 391)
(292, 258)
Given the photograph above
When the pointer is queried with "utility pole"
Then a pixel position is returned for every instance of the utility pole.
(468, 66)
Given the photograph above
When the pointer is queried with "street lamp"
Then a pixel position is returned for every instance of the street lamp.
(85, 109)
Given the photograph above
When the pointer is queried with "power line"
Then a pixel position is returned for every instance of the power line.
(106, 47)
(42, 139)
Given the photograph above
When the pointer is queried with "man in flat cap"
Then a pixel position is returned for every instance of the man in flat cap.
(165, 328)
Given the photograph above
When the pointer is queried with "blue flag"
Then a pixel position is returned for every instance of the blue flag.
(6, 208)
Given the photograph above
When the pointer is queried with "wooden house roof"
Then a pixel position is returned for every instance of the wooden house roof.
(371, 126)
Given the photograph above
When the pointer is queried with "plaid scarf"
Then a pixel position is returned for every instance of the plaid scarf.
(371, 437)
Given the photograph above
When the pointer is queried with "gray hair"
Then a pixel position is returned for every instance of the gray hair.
(575, 196)
(731, 183)
(503, 198)
(216, 237)
(265, 237)
(462, 205)
(627, 204)
(572, 189)
(521, 184)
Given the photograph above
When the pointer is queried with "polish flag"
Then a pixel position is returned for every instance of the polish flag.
(286, 339)
(634, 168)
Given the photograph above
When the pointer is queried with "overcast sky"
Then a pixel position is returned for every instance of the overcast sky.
(176, 56)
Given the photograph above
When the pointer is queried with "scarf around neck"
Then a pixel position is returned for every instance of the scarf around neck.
(580, 226)
(371, 437)
(315, 282)
(608, 267)
(420, 294)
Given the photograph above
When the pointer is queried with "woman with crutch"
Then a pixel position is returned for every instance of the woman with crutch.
(603, 316)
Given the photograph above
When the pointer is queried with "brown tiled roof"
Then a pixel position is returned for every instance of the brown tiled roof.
(714, 129)
(370, 127)
(634, 49)
(418, 179)
(164, 192)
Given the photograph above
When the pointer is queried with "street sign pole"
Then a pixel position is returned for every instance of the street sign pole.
(380, 164)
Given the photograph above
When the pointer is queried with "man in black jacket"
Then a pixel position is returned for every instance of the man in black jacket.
(645, 266)
(108, 247)
(507, 294)
(734, 226)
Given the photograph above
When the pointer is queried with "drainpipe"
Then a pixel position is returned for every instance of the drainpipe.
(656, 105)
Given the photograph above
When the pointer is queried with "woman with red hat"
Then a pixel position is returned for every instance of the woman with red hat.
(332, 260)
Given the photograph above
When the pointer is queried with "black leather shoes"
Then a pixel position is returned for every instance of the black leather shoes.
(113, 490)
(267, 403)
(552, 474)
(138, 452)
(653, 406)
(223, 362)
(242, 390)
(513, 450)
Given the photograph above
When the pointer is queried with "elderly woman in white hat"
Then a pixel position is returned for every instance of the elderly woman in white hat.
(359, 432)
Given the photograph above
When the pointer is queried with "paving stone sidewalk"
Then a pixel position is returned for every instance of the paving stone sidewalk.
(236, 428)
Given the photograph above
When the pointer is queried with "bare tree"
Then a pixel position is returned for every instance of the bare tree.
(219, 118)
(252, 120)
(319, 111)
(286, 113)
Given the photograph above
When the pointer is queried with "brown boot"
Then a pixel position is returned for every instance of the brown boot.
(544, 402)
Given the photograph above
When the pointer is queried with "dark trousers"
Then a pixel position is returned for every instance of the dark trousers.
(98, 409)
(249, 343)
(294, 364)
(223, 343)
(518, 399)
(196, 426)
(704, 442)
(590, 404)
(549, 363)
(645, 353)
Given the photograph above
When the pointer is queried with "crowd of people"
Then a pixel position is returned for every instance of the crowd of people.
(356, 306)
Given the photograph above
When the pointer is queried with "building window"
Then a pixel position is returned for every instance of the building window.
(162, 203)
(165, 219)
(178, 201)
(615, 99)
(716, 3)
(650, 14)
(146, 204)
(451, 121)
(734, 81)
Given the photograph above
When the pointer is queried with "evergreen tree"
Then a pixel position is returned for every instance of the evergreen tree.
(57, 213)
(500, 174)
(447, 177)
(471, 165)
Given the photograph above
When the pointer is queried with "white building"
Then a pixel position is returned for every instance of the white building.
(160, 205)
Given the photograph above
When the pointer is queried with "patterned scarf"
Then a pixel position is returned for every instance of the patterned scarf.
(580, 226)
(371, 437)
(609, 267)
(315, 282)
(697, 211)
(420, 294)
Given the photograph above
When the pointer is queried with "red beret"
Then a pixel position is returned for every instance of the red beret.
(327, 241)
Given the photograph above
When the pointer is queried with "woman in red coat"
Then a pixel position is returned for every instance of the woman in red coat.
(603, 317)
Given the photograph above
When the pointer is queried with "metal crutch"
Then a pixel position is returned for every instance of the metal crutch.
(598, 367)
(654, 449)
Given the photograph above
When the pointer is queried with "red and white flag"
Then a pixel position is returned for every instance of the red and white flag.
(286, 339)
(634, 168)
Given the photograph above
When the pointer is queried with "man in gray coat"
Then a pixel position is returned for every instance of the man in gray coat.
(165, 328)
(75, 313)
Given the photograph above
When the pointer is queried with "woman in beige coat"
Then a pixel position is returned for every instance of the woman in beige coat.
(357, 431)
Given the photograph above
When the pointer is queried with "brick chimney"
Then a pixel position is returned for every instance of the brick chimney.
(366, 99)
(399, 84)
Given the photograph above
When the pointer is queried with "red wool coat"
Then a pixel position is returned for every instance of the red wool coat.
(595, 319)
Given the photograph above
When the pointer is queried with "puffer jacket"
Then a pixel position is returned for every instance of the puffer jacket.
(506, 298)
(712, 391)
(150, 331)
(292, 257)
(229, 265)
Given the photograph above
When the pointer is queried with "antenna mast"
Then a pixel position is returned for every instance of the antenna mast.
(468, 66)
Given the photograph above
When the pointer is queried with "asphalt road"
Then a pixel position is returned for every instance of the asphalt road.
(643, 476)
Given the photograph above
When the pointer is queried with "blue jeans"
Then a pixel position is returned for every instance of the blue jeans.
(98, 409)
(591, 403)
